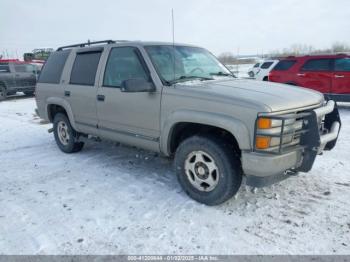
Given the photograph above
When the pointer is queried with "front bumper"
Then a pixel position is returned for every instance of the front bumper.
(263, 169)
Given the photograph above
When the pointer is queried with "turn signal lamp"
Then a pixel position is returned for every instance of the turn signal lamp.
(262, 142)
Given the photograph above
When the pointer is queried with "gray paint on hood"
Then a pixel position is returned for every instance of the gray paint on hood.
(276, 97)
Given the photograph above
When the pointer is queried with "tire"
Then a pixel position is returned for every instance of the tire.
(266, 78)
(3, 93)
(65, 135)
(228, 170)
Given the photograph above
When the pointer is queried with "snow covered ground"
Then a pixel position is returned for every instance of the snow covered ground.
(240, 70)
(111, 199)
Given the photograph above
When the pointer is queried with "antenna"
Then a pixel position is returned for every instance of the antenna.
(173, 31)
(172, 25)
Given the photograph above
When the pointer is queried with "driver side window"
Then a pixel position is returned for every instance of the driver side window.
(123, 64)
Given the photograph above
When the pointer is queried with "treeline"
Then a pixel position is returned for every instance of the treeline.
(293, 50)
(299, 49)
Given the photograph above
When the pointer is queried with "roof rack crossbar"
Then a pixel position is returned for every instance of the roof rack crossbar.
(86, 44)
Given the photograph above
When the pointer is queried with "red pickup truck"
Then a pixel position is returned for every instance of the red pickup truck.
(329, 74)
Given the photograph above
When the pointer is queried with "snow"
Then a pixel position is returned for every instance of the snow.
(113, 199)
(240, 70)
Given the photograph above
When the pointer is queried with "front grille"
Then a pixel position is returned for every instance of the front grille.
(27, 83)
(30, 82)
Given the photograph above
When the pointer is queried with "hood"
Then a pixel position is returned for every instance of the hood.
(271, 96)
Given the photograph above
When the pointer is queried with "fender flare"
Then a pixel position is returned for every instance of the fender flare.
(63, 103)
(234, 126)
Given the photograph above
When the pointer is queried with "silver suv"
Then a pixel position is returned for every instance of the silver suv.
(181, 101)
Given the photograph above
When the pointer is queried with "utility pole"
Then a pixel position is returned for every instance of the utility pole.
(237, 66)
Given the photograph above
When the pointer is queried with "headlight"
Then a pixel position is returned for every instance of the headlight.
(264, 123)
(274, 131)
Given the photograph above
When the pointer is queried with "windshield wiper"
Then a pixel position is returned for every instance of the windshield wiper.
(221, 74)
(187, 78)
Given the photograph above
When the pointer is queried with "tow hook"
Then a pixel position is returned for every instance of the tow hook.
(50, 130)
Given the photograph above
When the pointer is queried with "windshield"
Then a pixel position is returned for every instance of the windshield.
(190, 63)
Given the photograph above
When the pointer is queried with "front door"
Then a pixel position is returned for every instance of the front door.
(132, 118)
(316, 74)
(7, 77)
(341, 78)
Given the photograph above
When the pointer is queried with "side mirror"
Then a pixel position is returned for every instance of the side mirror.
(137, 85)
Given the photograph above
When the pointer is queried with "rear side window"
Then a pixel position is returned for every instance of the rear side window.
(52, 70)
(284, 65)
(84, 68)
(266, 65)
(342, 64)
(317, 65)
(4, 68)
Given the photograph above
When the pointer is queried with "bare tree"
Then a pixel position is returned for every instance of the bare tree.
(227, 58)
(340, 47)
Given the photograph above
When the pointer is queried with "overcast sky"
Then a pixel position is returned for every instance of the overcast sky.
(252, 26)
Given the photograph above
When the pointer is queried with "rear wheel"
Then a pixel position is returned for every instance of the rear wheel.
(65, 135)
(207, 169)
(3, 92)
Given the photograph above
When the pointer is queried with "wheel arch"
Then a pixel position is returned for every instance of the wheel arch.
(185, 123)
(55, 105)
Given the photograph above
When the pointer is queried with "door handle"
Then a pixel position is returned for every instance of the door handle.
(101, 98)
(66, 93)
(338, 76)
(300, 74)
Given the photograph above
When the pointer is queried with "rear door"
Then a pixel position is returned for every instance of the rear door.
(132, 118)
(341, 79)
(80, 90)
(265, 68)
(317, 74)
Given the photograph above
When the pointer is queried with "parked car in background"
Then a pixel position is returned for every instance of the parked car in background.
(252, 71)
(217, 127)
(262, 71)
(16, 76)
(329, 74)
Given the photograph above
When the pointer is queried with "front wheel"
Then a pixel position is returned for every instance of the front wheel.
(207, 169)
(65, 135)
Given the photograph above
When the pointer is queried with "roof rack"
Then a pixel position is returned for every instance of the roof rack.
(86, 44)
